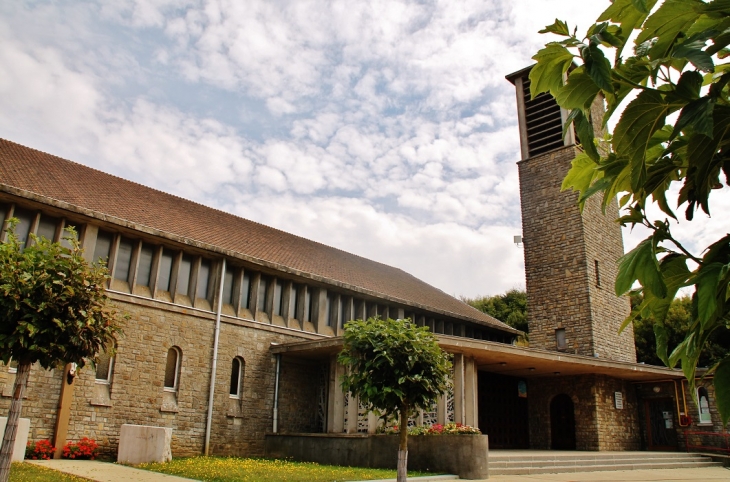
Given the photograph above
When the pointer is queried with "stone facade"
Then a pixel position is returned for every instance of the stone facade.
(599, 425)
(570, 264)
(137, 394)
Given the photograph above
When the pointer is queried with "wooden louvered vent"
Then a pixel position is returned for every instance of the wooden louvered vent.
(543, 120)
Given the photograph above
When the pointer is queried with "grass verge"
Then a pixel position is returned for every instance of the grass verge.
(225, 469)
(21, 472)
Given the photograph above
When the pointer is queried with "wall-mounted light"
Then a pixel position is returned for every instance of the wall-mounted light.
(518, 241)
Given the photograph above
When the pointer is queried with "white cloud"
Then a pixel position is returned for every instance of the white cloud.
(384, 128)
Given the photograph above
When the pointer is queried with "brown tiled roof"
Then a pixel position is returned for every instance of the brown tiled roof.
(104, 196)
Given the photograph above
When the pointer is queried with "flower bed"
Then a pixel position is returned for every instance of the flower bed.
(435, 429)
(40, 450)
(84, 449)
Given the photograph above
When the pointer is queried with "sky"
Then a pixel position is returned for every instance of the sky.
(383, 128)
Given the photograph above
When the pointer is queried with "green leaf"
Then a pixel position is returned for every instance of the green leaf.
(597, 66)
(707, 281)
(578, 92)
(584, 130)
(662, 343)
(691, 49)
(552, 62)
(721, 381)
(641, 264)
(559, 28)
(640, 120)
(671, 18)
(641, 6)
(628, 16)
(697, 115)
(581, 174)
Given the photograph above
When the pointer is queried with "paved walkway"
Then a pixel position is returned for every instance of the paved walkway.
(105, 471)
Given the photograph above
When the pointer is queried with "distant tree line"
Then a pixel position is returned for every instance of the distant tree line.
(511, 308)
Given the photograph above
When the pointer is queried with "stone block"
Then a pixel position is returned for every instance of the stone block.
(21, 437)
(139, 444)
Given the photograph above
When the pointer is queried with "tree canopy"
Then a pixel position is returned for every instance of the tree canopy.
(394, 367)
(53, 311)
(670, 148)
(509, 308)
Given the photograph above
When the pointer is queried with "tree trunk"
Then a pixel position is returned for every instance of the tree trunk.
(6, 453)
(403, 446)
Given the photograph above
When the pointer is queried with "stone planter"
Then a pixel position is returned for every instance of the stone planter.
(462, 455)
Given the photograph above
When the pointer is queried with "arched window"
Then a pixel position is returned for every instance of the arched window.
(237, 370)
(704, 405)
(172, 369)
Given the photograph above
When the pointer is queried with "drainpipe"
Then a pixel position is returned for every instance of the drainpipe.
(215, 357)
(276, 393)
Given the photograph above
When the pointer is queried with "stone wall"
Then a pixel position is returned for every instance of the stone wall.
(137, 394)
(563, 248)
(598, 424)
(40, 402)
(301, 384)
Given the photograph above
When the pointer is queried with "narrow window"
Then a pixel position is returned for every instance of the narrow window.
(144, 269)
(104, 368)
(294, 301)
(344, 304)
(333, 312)
(163, 281)
(183, 275)
(598, 275)
(278, 288)
(704, 405)
(246, 291)
(172, 369)
(103, 246)
(228, 286)
(47, 227)
(237, 377)
(22, 229)
(203, 279)
(307, 304)
(328, 309)
(560, 339)
(124, 259)
(263, 291)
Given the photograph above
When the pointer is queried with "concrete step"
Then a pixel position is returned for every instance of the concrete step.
(598, 468)
(591, 455)
(594, 461)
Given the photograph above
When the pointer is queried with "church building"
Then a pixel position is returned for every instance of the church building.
(178, 269)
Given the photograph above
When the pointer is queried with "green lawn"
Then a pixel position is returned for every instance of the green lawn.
(32, 473)
(224, 469)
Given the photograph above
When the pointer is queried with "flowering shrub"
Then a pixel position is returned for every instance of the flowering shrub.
(435, 429)
(85, 449)
(40, 450)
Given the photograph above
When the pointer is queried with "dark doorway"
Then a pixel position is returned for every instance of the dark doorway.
(660, 429)
(562, 423)
(503, 412)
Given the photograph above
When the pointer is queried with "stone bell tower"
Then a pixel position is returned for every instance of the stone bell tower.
(570, 257)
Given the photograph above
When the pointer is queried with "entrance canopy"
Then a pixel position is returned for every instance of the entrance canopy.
(505, 359)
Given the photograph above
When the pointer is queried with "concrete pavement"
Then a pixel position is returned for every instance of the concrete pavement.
(105, 471)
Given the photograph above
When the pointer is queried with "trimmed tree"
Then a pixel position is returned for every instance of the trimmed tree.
(394, 367)
(53, 311)
(672, 139)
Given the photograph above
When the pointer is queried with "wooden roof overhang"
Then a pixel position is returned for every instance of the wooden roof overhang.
(506, 359)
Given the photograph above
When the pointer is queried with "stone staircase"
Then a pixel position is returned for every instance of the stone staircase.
(523, 462)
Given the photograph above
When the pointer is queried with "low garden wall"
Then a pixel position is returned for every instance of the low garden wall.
(462, 455)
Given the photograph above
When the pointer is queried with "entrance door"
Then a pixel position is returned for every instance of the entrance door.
(660, 429)
(562, 423)
(503, 411)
